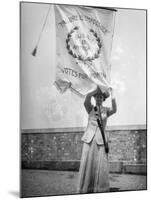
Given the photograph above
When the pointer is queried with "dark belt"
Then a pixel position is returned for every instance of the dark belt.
(106, 146)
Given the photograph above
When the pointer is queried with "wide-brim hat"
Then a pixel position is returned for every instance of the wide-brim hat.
(105, 94)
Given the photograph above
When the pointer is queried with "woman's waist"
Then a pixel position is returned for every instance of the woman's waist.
(94, 132)
(94, 122)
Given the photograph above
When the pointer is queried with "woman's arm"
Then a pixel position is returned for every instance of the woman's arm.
(113, 108)
(87, 102)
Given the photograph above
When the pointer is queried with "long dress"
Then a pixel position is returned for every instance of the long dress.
(94, 167)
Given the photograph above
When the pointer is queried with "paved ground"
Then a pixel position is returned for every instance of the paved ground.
(45, 182)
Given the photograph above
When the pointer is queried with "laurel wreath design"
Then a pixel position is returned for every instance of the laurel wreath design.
(79, 57)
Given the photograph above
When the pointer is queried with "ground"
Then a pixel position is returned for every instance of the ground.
(46, 182)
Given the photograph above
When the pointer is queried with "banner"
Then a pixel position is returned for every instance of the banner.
(83, 47)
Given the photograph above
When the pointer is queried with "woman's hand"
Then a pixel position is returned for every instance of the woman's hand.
(111, 91)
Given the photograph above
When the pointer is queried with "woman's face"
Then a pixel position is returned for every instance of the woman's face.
(99, 99)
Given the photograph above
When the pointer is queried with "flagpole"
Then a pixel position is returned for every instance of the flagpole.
(43, 26)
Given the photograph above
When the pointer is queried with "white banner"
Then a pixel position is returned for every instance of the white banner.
(83, 47)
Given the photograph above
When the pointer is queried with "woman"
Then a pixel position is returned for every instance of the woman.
(94, 172)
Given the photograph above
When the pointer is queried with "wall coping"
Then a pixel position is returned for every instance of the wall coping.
(81, 129)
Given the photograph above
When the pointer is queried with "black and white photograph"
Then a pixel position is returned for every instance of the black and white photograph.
(83, 96)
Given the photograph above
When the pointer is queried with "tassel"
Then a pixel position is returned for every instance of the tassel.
(35, 51)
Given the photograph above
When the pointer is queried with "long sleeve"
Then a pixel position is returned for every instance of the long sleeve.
(113, 109)
(87, 103)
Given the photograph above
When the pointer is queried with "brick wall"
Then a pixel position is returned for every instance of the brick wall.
(61, 148)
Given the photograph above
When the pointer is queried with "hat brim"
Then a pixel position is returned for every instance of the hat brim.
(105, 94)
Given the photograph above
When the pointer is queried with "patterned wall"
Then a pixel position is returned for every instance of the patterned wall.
(127, 145)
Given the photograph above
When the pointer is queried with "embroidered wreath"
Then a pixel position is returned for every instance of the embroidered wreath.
(85, 46)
